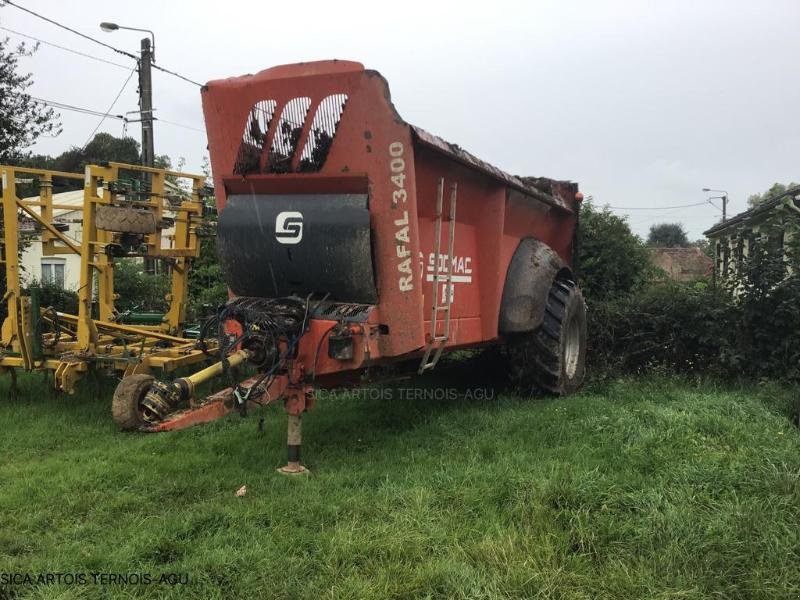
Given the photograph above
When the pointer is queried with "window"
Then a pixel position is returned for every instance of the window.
(53, 271)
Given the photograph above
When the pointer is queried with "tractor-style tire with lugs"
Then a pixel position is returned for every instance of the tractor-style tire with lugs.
(552, 358)
(125, 408)
(125, 219)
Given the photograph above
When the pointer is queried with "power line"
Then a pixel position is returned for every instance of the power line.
(109, 115)
(103, 118)
(86, 111)
(661, 216)
(96, 41)
(655, 207)
(180, 125)
(83, 35)
(46, 43)
(179, 76)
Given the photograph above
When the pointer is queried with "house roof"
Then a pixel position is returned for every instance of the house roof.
(682, 264)
(71, 198)
(75, 198)
(793, 194)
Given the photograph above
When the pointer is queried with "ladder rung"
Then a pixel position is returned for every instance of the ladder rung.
(436, 341)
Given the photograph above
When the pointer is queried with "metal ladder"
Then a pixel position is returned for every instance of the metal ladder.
(437, 342)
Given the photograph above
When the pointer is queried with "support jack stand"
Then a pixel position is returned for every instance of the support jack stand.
(294, 439)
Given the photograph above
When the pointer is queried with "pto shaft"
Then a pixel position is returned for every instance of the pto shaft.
(162, 398)
(189, 383)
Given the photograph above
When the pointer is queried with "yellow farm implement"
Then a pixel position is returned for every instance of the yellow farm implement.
(120, 217)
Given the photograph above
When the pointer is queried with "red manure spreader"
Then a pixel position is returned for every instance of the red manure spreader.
(353, 242)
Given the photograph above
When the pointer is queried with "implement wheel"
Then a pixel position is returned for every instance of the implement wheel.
(553, 357)
(126, 407)
(125, 219)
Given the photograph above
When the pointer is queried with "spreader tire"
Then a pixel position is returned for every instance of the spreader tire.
(125, 408)
(553, 357)
(125, 219)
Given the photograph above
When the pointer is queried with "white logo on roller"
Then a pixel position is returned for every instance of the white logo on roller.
(289, 227)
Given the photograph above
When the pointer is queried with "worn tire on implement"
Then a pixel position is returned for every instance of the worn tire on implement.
(125, 219)
(125, 408)
(553, 357)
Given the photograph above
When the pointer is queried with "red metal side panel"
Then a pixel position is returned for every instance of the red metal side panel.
(477, 264)
(526, 217)
(371, 138)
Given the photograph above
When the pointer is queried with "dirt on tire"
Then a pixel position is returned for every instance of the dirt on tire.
(125, 405)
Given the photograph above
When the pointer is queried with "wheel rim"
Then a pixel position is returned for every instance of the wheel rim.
(145, 414)
(572, 348)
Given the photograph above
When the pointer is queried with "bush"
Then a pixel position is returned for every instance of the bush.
(50, 294)
(639, 322)
(206, 286)
(139, 291)
(768, 327)
(695, 328)
(612, 261)
(674, 327)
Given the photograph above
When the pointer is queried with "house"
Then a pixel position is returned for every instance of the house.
(683, 264)
(774, 222)
(64, 269)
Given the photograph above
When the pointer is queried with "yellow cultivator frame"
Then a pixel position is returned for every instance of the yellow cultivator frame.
(73, 344)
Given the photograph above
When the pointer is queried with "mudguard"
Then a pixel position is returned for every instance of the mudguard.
(530, 275)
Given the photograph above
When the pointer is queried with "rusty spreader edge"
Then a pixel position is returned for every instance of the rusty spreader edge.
(466, 158)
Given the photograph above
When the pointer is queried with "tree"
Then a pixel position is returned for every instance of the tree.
(139, 291)
(612, 260)
(776, 190)
(207, 289)
(705, 245)
(103, 147)
(22, 119)
(106, 147)
(668, 235)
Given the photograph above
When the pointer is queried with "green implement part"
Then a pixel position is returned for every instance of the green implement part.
(143, 318)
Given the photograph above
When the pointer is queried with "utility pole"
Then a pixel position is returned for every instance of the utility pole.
(146, 103)
(146, 115)
(145, 90)
(724, 198)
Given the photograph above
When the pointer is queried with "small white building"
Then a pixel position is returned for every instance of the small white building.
(64, 269)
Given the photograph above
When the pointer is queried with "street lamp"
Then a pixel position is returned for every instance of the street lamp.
(145, 90)
(724, 201)
(111, 27)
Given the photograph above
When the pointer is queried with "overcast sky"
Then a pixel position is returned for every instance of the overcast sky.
(642, 103)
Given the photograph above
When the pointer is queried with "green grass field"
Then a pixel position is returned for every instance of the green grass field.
(644, 489)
